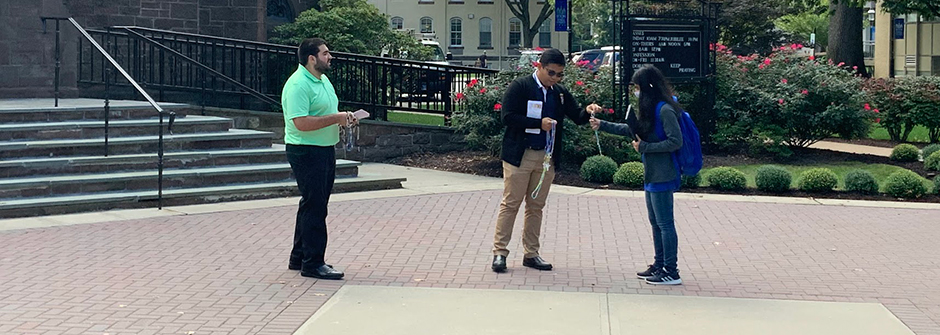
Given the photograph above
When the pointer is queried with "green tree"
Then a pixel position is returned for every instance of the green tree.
(800, 26)
(928, 8)
(747, 26)
(530, 25)
(592, 24)
(353, 26)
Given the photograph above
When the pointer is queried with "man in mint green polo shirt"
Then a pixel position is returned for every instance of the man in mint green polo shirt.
(311, 130)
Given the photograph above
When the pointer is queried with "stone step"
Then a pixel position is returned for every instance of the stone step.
(234, 138)
(116, 163)
(148, 198)
(28, 113)
(81, 129)
(142, 180)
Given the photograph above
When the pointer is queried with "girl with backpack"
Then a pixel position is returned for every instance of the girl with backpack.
(657, 136)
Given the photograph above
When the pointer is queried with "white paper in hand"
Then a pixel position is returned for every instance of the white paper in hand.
(360, 114)
(534, 111)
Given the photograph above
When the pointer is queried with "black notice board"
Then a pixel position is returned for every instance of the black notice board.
(676, 50)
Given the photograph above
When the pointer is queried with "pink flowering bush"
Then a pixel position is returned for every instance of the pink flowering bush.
(785, 100)
(900, 104)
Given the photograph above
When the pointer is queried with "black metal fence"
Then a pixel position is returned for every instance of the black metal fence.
(223, 72)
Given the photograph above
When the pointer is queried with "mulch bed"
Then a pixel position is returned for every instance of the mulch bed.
(483, 164)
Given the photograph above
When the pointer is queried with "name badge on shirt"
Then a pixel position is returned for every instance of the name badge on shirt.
(534, 111)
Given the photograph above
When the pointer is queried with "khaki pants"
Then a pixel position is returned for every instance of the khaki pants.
(519, 182)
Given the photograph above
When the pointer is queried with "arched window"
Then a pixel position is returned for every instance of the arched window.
(456, 31)
(515, 32)
(398, 22)
(427, 25)
(486, 32)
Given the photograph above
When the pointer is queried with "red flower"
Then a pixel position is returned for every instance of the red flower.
(766, 61)
(841, 63)
(538, 49)
(760, 66)
(854, 67)
(473, 83)
(812, 57)
(784, 80)
(793, 46)
(805, 92)
(867, 107)
(535, 64)
(483, 90)
(878, 120)
(583, 62)
(610, 111)
(498, 106)
(460, 96)
(579, 83)
(799, 46)
(780, 101)
(876, 110)
(587, 91)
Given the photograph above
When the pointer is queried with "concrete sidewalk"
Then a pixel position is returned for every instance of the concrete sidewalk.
(852, 148)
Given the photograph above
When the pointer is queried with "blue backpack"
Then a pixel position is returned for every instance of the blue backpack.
(689, 157)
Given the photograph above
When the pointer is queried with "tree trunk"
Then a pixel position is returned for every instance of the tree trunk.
(845, 36)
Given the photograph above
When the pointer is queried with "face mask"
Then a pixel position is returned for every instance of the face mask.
(636, 93)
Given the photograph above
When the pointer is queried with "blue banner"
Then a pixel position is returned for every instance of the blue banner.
(899, 29)
(561, 15)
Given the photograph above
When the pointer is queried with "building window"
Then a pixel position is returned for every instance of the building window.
(545, 34)
(486, 32)
(398, 22)
(427, 25)
(515, 32)
(456, 32)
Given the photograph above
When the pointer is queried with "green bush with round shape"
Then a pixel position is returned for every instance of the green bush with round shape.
(727, 178)
(905, 153)
(692, 181)
(932, 162)
(861, 181)
(772, 178)
(818, 180)
(905, 184)
(598, 169)
(630, 175)
(929, 150)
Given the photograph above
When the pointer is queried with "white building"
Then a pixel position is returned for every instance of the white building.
(468, 28)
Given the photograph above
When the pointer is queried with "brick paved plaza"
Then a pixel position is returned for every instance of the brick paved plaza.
(226, 272)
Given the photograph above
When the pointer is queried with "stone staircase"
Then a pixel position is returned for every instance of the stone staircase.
(52, 160)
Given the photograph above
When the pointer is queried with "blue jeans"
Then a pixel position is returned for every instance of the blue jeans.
(659, 205)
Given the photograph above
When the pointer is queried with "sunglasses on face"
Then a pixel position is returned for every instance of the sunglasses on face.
(556, 74)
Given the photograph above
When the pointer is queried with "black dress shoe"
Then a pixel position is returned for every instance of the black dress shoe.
(537, 263)
(499, 263)
(323, 272)
(297, 266)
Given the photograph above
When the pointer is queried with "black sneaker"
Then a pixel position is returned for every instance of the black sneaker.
(665, 278)
(649, 273)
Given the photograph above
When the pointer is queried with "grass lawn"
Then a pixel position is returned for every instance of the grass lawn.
(881, 171)
(416, 118)
(918, 135)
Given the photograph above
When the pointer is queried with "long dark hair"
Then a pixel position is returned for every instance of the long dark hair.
(654, 88)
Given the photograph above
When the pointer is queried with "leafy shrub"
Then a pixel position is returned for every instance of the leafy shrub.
(818, 180)
(929, 150)
(772, 178)
(767, 104)
(936, 185)
(905, 184)
(932, 163)
(598, 169)
(905, 153)
(727, 178)
(861, 181)
(629, 175)
(692, 181)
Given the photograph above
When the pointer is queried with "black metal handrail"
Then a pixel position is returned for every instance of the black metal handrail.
(189, 60)
(376, 84)
(107, 110)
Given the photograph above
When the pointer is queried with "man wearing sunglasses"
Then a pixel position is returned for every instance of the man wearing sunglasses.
(531, 107)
